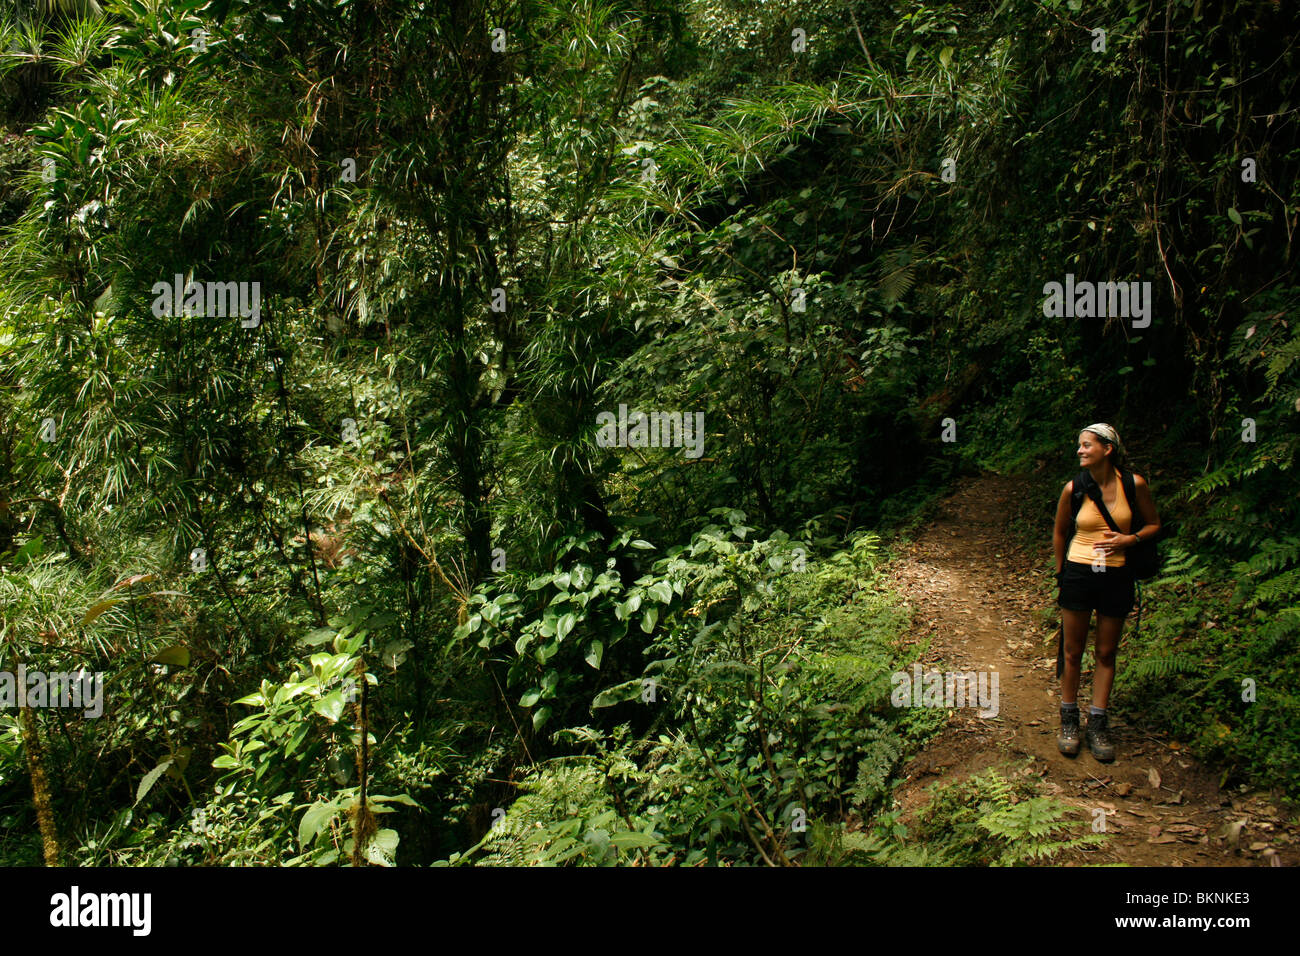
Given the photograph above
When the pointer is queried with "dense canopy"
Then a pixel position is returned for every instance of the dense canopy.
(485, 431)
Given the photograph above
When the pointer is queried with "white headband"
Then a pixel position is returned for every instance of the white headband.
(1106, 432)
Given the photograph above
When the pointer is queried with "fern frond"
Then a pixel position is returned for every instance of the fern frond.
(1160, 667)
(898, 271)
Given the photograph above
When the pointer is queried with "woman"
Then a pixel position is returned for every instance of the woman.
(1092, 577)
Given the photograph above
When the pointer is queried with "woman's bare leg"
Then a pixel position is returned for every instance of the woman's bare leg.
(1107, 643)
(1076, 637)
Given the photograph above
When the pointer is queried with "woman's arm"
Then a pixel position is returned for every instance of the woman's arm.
(1063, 527)
(1113, 542)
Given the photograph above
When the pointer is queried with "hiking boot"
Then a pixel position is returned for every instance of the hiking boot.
(1099, 741)
(1067, 741)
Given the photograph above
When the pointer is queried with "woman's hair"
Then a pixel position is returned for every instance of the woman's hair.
(1110, 438)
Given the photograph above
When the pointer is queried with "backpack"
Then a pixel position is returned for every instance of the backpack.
(1142, 559)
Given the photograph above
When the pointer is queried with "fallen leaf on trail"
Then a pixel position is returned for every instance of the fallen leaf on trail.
(1123, 789)
(1153, 776)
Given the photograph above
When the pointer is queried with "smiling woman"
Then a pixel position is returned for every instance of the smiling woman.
(1094, 574)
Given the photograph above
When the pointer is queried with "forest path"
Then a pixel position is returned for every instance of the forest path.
(973, 594)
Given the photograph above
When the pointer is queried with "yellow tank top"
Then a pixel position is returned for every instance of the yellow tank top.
(1089, 526)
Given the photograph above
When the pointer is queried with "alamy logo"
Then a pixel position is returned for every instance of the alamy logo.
(102, 909)
(1098, 300)
(656, 430)
(216, 299)
(62, 689)
(933, 689)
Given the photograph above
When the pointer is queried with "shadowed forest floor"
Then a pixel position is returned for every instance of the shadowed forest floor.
(974, 594)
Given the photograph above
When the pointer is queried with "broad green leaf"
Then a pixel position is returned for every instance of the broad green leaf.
(150, 779)
(178, 655)
(330, 706)
(540, 716)
(398, 798)
(100, 608)
(628, 690)
(314, 820)
(595, 651)
(382, 848)
(630, 839)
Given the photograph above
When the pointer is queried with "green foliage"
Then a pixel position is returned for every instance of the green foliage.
(994, 820)
(989, 819)
(1215, 665)
(774, 666)
(568, 814)
(279, 799)
(292, 743)
(683, 214)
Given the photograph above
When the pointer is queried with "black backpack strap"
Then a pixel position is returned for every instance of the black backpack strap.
(1138, 625)
(1078, 492)
(1131, 495)
(1094, 492)
(1130, 492)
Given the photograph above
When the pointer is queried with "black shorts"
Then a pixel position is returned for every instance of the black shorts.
(1108, 592)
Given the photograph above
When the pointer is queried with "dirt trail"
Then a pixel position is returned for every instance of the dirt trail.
(974, 595)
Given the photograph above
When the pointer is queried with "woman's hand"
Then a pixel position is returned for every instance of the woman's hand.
(1114, 542)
